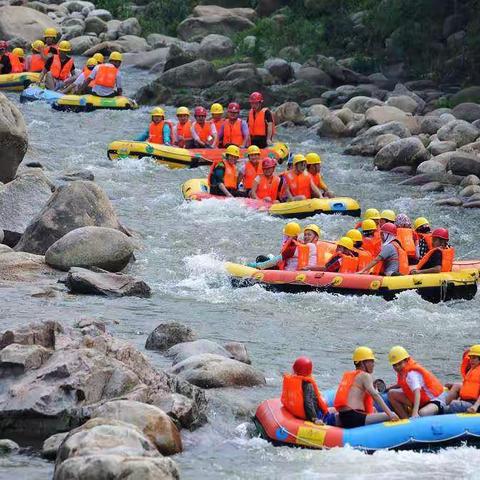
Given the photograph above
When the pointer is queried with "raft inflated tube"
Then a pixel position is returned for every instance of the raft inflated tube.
(280, 427)
(173, 157)
(18, 81)
(35, 93)
(434, 287)
(88, 103)
(197, 189)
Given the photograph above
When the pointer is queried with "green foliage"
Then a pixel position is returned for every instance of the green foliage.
(120, 9)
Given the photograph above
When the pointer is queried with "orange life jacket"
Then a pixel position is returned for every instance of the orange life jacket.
(349, 264)
(304, 252)
(373, 244)
(465, 365)
(155, 131)
(17, 65)
(341, 397)
(406, 239)
(318, 181)
(403, 268)
(230, 177)
(106, 75)
(46, 50)
(470, 390)
(432, 383)
(325, 251)
(286, 244)
(428, 239)
(204, 131)
(251, 173)
(256, 123)
(37, 63)
(185, 130)
(299, 184)
(364, 257)
(232, 133)
(59, 72)
(447, 258)
(268, 187)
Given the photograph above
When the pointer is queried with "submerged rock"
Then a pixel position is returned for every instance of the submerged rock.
(182, 351)
(167, 335)
(8, 446)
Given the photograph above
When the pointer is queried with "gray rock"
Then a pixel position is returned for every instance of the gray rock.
(279, 68)
(239, 352)
(101, 13)
(4, 248)
(361, 104)
(80, 45)
(470, 180)
(384, 140)
(424, 178)
(431, 124)
(197, 74)
(112, 32)
(78, 5)
(431, 166)
(386, 114)
(432, 187)
(25, 267)
(95, 25)
(464, 164)
(449, 202)
(332, 126)
(402, 90)
(459, 131)
(167, 335)
(345, 115)
(475, 204)
(403, 102)
(146, 60)
(467, 111)
(407, 151)
(130, 26)
(471, 148)
(179, 56)
(8, 446)
(68, 33)
(469, 190)
(437, 147)
(52, 444)
(132, 43)
(313, 75)
(319, 110)
(289, 112)
(216, 46)
(181, 351)
(23, 357)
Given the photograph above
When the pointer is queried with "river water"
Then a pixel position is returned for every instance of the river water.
(184, 247)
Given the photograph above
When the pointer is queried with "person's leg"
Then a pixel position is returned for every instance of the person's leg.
(453, 393)
(459, 406)
(49, 81)
(432, 408)
(400, 403)
(376, 418)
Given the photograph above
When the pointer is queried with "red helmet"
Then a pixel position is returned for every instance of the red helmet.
(3, 45)
(200, 112)
(441, 233)
(389, 228)
(303, 366)
(233, 107)
(268, 163)
(256, 97)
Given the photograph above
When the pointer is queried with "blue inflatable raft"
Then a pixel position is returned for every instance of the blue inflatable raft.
(35, 93)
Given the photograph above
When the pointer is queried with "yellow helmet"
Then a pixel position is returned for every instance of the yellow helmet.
(388, 215)
(397, 354)
(115, 56)
(281, 150)
(183, 111)
(369, 224)
(50, 33)
(99, 57)
(420, 222)
(346, 243)
(18, 52)
(253, 150)
(216, 108)
(233, 150)
(355, 235)
(64, 46)
(298, 158)
(363, 353)
(313, 159)
(38, 45)
(157, 112)
(372, 213)
(313, 228)
(91, 62)
(292, 229)
(474, 351)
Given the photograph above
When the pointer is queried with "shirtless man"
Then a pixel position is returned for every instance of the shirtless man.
(355, 406)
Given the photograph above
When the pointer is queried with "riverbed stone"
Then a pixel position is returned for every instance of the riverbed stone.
(8, 446)
(449, 202)
(289, 112)
(384, 140)
(432, 187)
(83, 43)
(403, 102)
(23, 357)
(331, 126)
(431, 124)
(463, 163)
(95, 25)
(25, 267)
(467, 111)
(182, 351)
(102, 13)
(458, 131)
(361, 104)
(51, 445)
(469, 190)
(167, 335)
(386, 114)
(470, 180)
(437, 147)
(196, 74)
(238, 351)
(431, 166)
(279, 68)
(216, 46)
(473, 147)
(406, 151)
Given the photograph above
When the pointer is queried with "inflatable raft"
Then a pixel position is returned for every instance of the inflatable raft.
(173, 157)
(197, 189)
(18, 81)
(88, 103)
(434, 287)
(280, 427)
(34, 93)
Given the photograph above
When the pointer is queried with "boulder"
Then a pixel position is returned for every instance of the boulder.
(82, 44)
(8, 446)
(23, 357)
(471, 148)
(319, 110)
(469, 190)
(100, 282)
(437, 147)
(113, 27)
(132, 43)
(101, 13)
(458, 131)
(445, 178)
(167, 335)
(431, 124)
(449, 202)
(406, 151)
(467, 111)
(146, 60)
(432, 187)
(431, 166)
(384, 140)
(402, 90)
(279, 68)
(96, 25)
(289, 112)
(52, 444)
(212, 10)
(470, 180)
(216, 371)
(464, 164)
(197, 74)
(238, 351)
(466, 95)
(181, 351)
(216, 46)
(130, 26)
(331, 126)
(24, 267)
(473, 204)
(361, 104)
(313, 75)
(179, 56)
(158, 40)
(77, 204)
(403, 102)
(78, 5)
(13, 136)
(346, 115)
(74, 31)
(386, 114)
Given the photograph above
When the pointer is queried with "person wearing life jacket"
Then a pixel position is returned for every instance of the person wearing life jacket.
(17, 58)
(223, 177)
(107, 80)
(251, 168)
(387, 216)
(301, 396)
(314, 165)
(183, 128)
(343, 260)
(364, 256)
(99, 58)
(454, 388)
(50, 36)
(74, 85)
(416, 388)
(356, 394)
(58, 68)
(407, 237)
(5, 64)
(424, 234)
(289, 252)
(261, 123)
(372, 241)
(439, 258)
(469, 390)
(204, 133)
(306, 251)
(234, 131)
(393, 257)
(160, 131)
(266, 186)
(299, 183)
(35, 62)
(370, 214)
(216, 111)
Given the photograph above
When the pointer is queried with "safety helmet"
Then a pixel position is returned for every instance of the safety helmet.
(371, 213)
(361, 354)
(253, 150)
(292, 229)
(474, 351)
(233, 150)
(298, 158)
(389, 228)
(313, 158)
(268, 163)
(3, 45)
(99, 57)
(281, 150)
(199, 112)
(115, 57)
(355, 235)
(420, 222)
(18, 52)
(233, 107)
(368, 225)
(216, 108)
(313, 228)
(388, 215)
(91, 62)
(255, 97)
(157, 112)
(64, 46)
(38, 45)
(397, 354)
(346, 242)
(441, 233)
(183, 111)
(303, 366)
(50, 33)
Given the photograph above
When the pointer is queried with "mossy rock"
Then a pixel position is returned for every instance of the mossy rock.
(469, 94)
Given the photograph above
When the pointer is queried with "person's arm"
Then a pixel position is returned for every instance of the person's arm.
(91, 77)
(220, 135)
(142, 137)
(288, 250)
(219, 173)
(436, 258)
(253, 190)
(213, 129)
(316, 193)
(195, 136)
(310, 402)
(416, 402)
(474, 407)
(369, 266)
(269, 120)
(118, 84)
(245, 134)
(368, 385)
(167, 134)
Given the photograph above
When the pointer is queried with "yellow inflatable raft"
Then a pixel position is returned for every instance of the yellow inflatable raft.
(88, 103)
(197, 189)
(173, 157)
(18, 81)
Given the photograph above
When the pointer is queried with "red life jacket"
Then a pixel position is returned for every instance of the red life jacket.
(256, 123)
(251, 173)
(343, 390)
(17, 65)
(232, 133)
(299, 184)
(470, 390)
(292, 395)
(447, 258)
(230, 178)
(37, 63)
(155, 131)
(59, 72)
(406, 239)
(268, 187)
